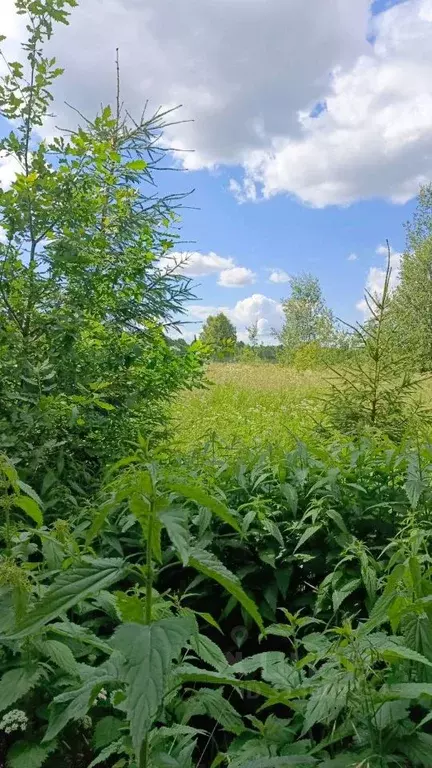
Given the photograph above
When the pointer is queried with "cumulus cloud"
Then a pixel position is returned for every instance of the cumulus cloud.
(266, 312)
(352, 257)
(376, 277)
(279, 276)
(9, 167)
(235, 277)
(196, 264)
(290, 90)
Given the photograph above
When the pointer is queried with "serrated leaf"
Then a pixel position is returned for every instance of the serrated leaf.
(325, 704)
(22, 754)
(307, 534)
(410, 690)
(338, 519)
(115, 748)
(30, 507)
(67, 590)
(79, 700)
(149, 652)
(189, 674)
(30, 492)
(175, 521)
(339, 595)
(280, 762)
(390, 650)
(194, 493)
(209, 652)
(106, 731)
(390, 712)
(99, 520)
(208, 564)
(16, 683)
(135, 165)
(61, 655)
(212, 703)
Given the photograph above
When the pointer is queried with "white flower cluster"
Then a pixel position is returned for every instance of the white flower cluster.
(102, 695)
(15, 720)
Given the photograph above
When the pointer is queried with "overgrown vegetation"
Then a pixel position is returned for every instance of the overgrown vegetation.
(261, 607)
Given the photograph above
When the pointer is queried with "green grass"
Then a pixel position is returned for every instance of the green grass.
(248, 405)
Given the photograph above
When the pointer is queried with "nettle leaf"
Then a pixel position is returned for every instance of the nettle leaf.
(208, 564)
(390, 650)
(117, 747)
(30, 492)
(70, 587)
(280, 762)
(409, 690)
(30, 507)
(149, 652)
(307, 534)
(190, 674)
(339, 595)
(106, 731)
(22, 754)
(175, 521)
(209, 652)
(61, 655)
(16, 683)
(325, 703)
(80, 700)
(194, 493)
(211, 702)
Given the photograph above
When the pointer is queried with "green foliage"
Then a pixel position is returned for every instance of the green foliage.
(219, 335)
(84, 302)
(307, 318)
(377, 390)
(411, 309)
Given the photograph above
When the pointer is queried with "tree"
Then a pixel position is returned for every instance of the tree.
(307, 318)
(220, 335)
(84, 304)
(253, 333)
(412, 302)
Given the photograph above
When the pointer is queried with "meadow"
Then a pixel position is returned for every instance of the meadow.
(247, 405)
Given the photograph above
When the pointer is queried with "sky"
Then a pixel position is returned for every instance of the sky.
(309, 125)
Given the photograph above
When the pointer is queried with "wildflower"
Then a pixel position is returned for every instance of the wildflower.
(15, 720)
(102, 695)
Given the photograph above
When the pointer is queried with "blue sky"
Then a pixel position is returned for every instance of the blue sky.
(310, 130)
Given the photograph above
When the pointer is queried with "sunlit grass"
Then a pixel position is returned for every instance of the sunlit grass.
(248, 404)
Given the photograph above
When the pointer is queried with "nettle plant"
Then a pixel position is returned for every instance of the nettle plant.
(110, 669)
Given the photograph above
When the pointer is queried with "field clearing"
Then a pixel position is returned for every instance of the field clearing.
(253, 404)
(248, 405)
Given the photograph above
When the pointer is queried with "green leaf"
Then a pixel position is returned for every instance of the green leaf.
(22, 754)
(80, 700)
(67, 590)
(16, 683)
(339, 595)
(209, 652)
(338, 519)
(206, 563)
(149, 651)
(106, 731)
(135, 165)
(205, 500)
(212, 703)
(175, 521)
(98, 521)
(307, 534)
(280, 762)
(189, 674)
(410, 690)
(30, 507)
(391, 712)
(325, 703)
(61, 655)
(30, 492)
(117, 747)
(390, 650)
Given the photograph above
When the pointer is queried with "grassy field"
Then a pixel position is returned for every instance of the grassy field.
(248, 404)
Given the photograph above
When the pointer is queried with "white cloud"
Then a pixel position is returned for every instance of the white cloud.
(266, 312)
(376, 277)
(352, 257)
(196, 264)
(279, 276)
(373, 138)
(235, 277)
(9, 167)
(251, 73)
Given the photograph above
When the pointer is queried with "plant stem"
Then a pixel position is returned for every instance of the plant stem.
(144, 754)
